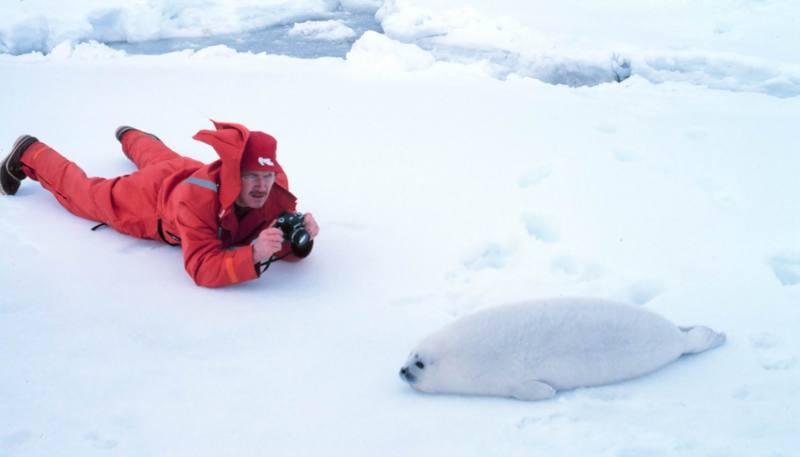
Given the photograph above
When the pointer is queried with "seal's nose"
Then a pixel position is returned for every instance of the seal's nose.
(406, 375)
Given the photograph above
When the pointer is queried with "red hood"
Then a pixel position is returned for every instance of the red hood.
(229, 141)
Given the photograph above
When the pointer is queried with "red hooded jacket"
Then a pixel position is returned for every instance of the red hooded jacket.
(196, 207)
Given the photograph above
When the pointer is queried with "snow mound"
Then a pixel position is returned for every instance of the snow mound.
(322, 30)
(384, 54)
(574, 46)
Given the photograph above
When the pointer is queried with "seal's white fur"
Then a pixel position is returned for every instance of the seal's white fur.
(531, 350)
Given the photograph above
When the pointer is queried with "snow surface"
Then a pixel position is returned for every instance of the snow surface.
(448, 174)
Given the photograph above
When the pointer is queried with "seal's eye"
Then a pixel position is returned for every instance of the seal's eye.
(420, 365)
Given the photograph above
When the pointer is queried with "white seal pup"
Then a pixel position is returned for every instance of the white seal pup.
(531, 350)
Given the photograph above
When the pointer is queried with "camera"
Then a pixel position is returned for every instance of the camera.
(294, 231)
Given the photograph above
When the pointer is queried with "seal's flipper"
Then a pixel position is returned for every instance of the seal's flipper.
(699, 339)
(533, 390)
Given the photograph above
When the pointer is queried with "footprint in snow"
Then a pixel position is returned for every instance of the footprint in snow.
(771, 353)
(100, 442)
(721, 28)
(492, 255)
(749, 393)
(540, 228)
(722, 192)
(533, 177)
(786, 268)
(554, 420)
(625, 155)
(580, 270)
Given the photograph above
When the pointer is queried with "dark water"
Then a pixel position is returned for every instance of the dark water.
(272, 40)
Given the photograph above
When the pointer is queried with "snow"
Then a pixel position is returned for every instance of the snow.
(473, 154)
(376, 52)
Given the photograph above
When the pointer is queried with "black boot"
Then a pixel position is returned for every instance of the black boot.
(122, 129)
(11, 168)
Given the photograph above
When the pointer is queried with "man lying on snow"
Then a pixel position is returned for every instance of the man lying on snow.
(222, 214)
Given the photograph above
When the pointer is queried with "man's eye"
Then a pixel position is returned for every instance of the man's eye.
(420, 365)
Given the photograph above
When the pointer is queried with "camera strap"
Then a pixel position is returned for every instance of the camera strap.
(262, 266)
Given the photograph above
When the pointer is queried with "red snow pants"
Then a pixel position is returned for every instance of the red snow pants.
(126, 203)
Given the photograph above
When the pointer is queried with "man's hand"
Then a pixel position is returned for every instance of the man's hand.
(269, 241)
(311, 225)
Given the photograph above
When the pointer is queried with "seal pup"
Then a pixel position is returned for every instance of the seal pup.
(532, 350)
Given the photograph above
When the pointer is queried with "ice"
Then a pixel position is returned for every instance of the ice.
(737, 46)
(361, 5)
(579, 44)
(166, 25)
(27, 35)
(322, 30)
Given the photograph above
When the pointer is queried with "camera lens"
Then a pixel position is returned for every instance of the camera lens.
(300, 238)
(301, 242)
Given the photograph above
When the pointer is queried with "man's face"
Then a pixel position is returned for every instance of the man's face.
(255, 188)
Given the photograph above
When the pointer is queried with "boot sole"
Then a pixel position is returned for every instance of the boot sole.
(121, 130)
(9, 182)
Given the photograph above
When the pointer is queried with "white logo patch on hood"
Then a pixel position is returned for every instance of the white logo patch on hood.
(265, 161)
